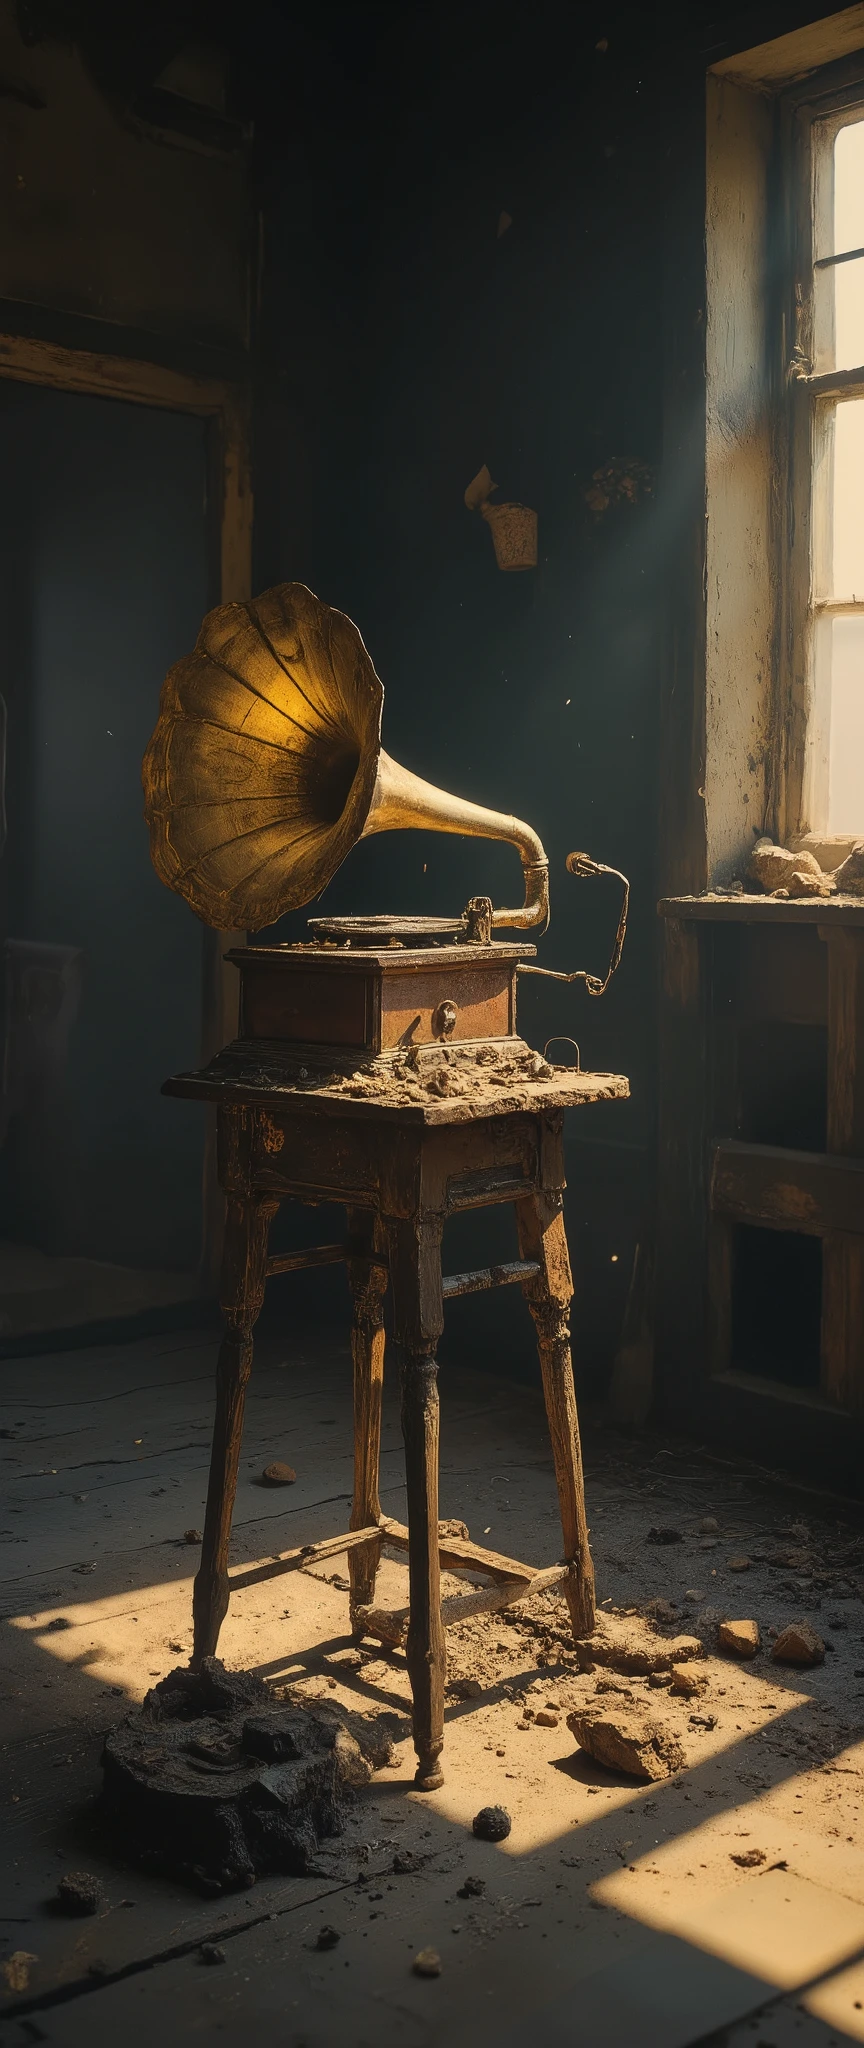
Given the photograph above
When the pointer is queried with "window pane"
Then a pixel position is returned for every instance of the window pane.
(849, 188)
(846, 747)
(849, 314)
(847, 506)
(839, 313)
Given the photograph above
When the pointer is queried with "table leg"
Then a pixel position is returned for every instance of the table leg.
(415, 1270)
(542, 1238)
(367, 1278)
(244, 1256)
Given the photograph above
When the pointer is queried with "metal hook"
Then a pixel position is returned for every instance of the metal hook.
(560, 1038)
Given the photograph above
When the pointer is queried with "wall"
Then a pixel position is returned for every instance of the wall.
(431, 343)
(126, 231)
(103, 579)
(108, 217)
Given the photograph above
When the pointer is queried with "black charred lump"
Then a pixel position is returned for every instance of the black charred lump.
(274, 1736)
(492, 1824)
(216, 1782)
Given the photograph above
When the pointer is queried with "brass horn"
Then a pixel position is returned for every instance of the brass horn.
(266, 767)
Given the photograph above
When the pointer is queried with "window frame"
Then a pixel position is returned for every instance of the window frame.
(810, 400)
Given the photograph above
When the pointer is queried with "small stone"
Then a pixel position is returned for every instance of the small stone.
(661, 1610)
(709, 1525)
(79, 1894)
(624, 1739)
(210, 1952)
(544, 1718)
(656, 1679)
(695, 1593)
(278, 1475)
(738, 1564)
(492, 1824)
(84, 1569)
(748, 1859)
(467, 1689)
(798, 1644)
(404, 1861)
(59, 1622)
(16, 1969)
(328, 1937)
(686, 1682)
(473, 1888)
(192, 1536)
(427, 1963)
(740, 1638)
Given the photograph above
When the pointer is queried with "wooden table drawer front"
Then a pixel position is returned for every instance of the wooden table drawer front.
(483, 997)
(319, 1156)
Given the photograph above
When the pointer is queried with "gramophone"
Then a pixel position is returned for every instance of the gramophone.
(264, 770)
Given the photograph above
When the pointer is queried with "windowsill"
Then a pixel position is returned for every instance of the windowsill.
(720, 909)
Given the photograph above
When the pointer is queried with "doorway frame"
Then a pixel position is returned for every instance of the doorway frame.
(226, 406)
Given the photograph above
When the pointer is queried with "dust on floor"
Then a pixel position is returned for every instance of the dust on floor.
(730, 1894)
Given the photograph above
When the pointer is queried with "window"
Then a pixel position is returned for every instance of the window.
(784, 447)
(830, 363)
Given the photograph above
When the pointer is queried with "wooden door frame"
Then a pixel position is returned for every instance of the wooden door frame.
(226, 408)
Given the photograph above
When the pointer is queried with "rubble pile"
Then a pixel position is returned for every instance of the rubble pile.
(215, 1782)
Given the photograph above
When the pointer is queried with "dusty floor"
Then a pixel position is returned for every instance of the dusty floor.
(615, 1913)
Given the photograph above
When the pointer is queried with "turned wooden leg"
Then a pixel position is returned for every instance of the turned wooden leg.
(367, 1278)
(241, 1295)
(542, 1238)
(415, 1269)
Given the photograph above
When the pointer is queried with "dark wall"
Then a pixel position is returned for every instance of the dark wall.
(103, 580)
(405, 340)
(434, 343)
(126, 205)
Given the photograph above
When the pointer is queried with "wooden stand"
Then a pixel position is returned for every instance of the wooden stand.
(400, 1171)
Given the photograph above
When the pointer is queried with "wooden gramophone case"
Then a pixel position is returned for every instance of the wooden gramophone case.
(375, 1000)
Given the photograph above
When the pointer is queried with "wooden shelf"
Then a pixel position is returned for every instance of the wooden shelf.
(716, 909)
(779, 1189)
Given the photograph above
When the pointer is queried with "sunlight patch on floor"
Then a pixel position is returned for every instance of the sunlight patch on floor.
(116, 1639)
(541, 1822)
